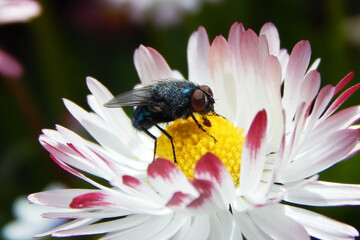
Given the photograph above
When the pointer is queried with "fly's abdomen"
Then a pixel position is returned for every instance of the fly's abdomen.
(142, 118)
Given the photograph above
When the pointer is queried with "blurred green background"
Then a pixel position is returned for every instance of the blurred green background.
(73, 39)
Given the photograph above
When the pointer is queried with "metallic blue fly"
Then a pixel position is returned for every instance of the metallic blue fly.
(166, 101)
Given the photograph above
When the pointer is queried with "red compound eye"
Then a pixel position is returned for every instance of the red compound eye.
(198, 100)
(207, 89)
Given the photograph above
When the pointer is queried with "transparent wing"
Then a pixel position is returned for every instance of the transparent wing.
(137, 97)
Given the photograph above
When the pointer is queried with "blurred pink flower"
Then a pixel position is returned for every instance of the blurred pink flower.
(14, 11)
(9, 66)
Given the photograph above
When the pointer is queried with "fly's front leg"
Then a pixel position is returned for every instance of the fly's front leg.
(201, 127)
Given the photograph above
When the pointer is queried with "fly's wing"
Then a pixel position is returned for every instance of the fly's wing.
(137, 97)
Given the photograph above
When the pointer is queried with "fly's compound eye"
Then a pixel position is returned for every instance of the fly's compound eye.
(207, 89)
(198, 100)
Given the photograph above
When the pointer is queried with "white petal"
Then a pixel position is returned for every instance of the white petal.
(81, 213)
(325, 194)
(320, 226)
(69, 225)
(98, 129)
(172, 228)
(273, 221)
(146, 230)
(199, 229)
(118, 121)
(249, 229)
(107, 227)
(222, 226)
(184, 229)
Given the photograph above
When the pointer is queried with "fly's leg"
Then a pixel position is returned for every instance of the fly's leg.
(170, 138)
(201, 127)
(153, 137)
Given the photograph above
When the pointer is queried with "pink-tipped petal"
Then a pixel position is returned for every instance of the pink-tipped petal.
(326, 153)
(322, 100)
(167, 179)
(58, 198)
(274, 111)
(210, 198)
(235, 33)
(296, 68)
(272, 36)
(209, 167)
(340, 120)
(222, 77)
(250, 53)
(198, 57)
(253, 154)
(142, 188)
(179, 200)
(89, 200)
(341, 99)
(310, 87)
(150, 65)
(344, 82)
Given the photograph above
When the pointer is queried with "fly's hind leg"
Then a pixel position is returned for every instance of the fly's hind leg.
(170, 138)
(153, 137)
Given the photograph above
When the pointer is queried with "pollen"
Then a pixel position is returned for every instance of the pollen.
(191, 143)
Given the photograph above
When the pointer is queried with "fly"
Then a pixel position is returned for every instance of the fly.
(166, 101)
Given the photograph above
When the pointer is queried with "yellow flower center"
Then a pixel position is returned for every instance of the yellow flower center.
(191, 143)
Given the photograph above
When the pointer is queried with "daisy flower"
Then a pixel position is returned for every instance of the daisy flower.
(276, 130)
